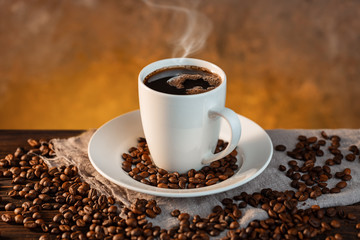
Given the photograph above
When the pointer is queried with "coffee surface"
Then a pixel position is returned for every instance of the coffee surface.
(182, 80)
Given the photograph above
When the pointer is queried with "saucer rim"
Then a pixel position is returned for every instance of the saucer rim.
(178, 193)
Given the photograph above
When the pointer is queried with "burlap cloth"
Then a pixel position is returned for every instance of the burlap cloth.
(74, 151)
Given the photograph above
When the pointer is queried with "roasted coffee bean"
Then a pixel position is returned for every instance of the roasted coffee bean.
(10, 206)
(330, 162)
(351, 216)
(7, 218)
(296, 176)
(347, 171)
(183, 216)
(346, 178)
(163, 185)
(280, 148)
(335, 223)
(323, 178)
(338, 236)
(324, 135)
(315, 222)
(146, 173)
(292, 163)
(339, 174)
(354, 149)
(341, 185)
(131, 222)
(18, 219)
(57, 218)
(126, 166)
(64, 228)
(282, 168)
(119, 236)
(33, 143)
(39, 221)
(335, 190)
(150, 213)
(312, 139)
(36, 215)
(212, 181)
(44, 237)
(30, 224)
(18, 210)
(112, 208)
(357, 226)
(279, 208)
(175, 213)
(331, 212)
(350, 157)
(80, 223)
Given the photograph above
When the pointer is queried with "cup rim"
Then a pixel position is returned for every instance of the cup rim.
(170, 62)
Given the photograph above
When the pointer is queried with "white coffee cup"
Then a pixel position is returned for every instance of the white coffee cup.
(182, 130)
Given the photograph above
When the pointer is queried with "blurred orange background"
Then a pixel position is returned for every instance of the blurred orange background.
(74, 64)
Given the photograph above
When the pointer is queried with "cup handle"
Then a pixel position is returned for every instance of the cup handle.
(233, 120)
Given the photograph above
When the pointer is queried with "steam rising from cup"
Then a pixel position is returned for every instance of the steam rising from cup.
(196, 29)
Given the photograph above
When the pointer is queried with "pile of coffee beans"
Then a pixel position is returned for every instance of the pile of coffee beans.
(56, 202)
(309, 179)
(137, 163)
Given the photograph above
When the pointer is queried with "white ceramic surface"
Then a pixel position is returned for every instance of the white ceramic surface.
(182, 130)
(118, 135)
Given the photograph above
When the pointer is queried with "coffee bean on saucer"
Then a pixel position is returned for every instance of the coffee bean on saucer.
(137, 163)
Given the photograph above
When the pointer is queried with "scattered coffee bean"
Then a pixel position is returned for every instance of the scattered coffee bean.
(350, 157)
(44, 237)
(354, 149)
(10, 206)
(280, 148)
(335, 190)
(282, 168)
(341, 185)
(335, 223)
(357, 226)
(18, 219)
(351, 216)
(338, 236)
(30, 224)
(7, 218)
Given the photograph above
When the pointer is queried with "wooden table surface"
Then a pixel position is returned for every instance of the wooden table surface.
(11, 139)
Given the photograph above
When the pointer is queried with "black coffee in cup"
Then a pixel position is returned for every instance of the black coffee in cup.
(182, 80)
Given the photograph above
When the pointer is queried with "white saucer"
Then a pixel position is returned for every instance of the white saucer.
(119, 134)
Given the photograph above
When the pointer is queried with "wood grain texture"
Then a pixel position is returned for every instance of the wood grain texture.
(11, 139)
